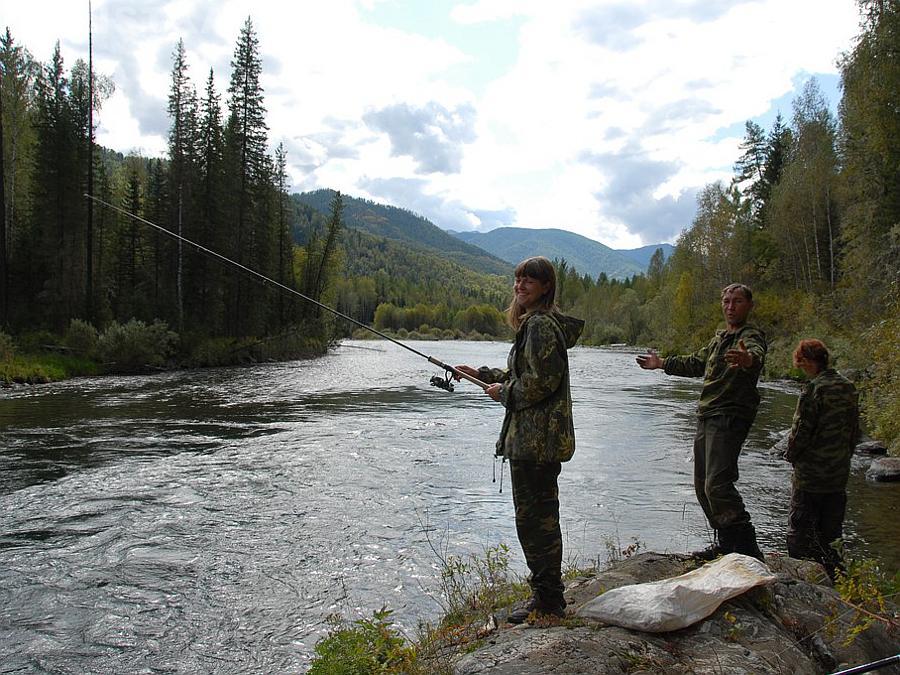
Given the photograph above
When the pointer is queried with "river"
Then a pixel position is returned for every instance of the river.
(211, 520)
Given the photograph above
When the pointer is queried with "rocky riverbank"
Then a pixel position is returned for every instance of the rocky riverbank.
(796, 624)
(881, 469)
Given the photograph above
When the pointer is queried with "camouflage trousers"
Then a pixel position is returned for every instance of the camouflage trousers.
(816, 520)
(717, 446)
(536, 501)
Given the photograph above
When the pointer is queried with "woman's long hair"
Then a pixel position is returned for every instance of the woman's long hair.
(541, 269)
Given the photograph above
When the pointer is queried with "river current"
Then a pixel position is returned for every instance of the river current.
(211, 520)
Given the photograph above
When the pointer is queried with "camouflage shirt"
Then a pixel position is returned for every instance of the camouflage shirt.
(824, 433)
(726, 390)
(538, 423)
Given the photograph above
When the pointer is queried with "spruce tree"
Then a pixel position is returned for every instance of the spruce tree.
(247, 168)
(183, 147)
(58, 204)
(18, 71)
(209, 291)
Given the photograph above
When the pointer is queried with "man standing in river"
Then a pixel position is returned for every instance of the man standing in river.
(730, 365)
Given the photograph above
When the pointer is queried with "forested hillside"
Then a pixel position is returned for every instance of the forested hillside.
(586, 255)
(644, 254)
(405, 226)
(375, 270)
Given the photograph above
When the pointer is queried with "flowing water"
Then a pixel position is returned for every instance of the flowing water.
(211, 520)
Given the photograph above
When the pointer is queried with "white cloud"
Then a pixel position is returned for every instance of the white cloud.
(606, 122)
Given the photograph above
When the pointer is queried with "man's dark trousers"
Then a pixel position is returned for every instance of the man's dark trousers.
(816, 520)
(717, 447)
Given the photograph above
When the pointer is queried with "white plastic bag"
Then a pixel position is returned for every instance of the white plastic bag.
(671, 604)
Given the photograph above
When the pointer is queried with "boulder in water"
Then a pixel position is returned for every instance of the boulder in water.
(884, 469)
(870, 447)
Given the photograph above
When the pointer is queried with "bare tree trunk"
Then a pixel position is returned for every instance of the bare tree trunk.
(830, 234)
(815, 234)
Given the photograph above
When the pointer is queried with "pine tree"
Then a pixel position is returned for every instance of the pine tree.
(18, 72)
(285, 245)
(208, 290)
(4, 255)
(248, 169)
(749, 169)
(58, 206)
(183, 147)
(129, 289)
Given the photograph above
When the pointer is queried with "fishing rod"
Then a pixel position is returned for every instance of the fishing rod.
(437, 381)
(869, 667)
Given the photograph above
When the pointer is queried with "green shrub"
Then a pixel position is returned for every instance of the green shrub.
(7, 347)
(42, 368)
(82, 338)
(366, 646)
(212, 352)
(867, 588)
(38, 341)
(136, 346)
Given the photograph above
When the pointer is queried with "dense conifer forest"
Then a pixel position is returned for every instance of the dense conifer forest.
(810, 220)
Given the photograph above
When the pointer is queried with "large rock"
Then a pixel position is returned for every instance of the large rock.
(884, 469)
(781, 445)
(867, 446)
(870, 447)
(787, 627)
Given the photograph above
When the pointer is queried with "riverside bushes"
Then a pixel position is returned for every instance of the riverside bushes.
(135, 346)
(365, 646)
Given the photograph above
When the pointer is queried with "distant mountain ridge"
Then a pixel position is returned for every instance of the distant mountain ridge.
(585, 255)
(405, 226)
(643, 254)
(494, 252)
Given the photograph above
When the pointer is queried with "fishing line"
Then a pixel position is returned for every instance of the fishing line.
(437, 381)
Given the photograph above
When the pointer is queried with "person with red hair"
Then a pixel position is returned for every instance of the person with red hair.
(821, 441)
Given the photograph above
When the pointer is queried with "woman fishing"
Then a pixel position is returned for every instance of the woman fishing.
(537, 433)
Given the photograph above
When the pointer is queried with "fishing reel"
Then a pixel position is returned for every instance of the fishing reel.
(444, 383)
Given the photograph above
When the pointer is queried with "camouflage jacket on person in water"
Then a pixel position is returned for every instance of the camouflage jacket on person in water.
(538, 423)
(726, 390)
(824, 433)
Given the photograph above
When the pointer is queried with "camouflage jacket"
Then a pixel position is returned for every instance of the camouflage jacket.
(538, 423)
(726, 390)
(824, 433)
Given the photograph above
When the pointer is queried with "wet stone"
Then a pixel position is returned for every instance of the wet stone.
(884, 469)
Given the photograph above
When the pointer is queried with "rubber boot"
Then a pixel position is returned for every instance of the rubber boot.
(521, 614)
(745, 541)
(712, 551)
(538, 608)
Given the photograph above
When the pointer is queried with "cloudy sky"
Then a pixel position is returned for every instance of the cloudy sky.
(603, 117)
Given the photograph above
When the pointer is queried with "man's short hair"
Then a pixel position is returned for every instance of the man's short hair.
(745, 291)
